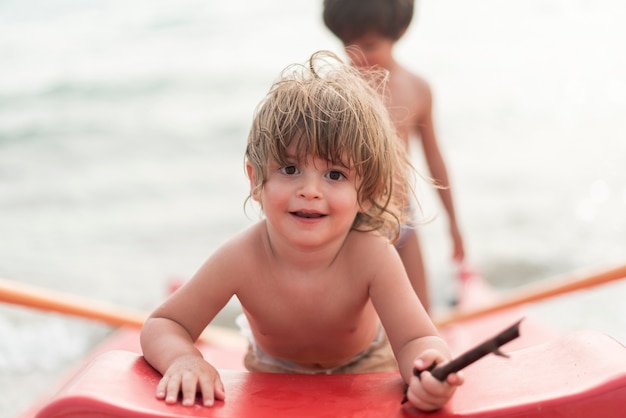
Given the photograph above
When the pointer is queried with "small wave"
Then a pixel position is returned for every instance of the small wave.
(21, 344)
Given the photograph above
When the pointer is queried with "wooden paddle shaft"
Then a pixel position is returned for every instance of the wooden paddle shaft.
(49, 300)
(39, 298)
(537, 292)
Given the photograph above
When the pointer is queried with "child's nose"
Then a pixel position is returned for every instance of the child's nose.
(310, 189)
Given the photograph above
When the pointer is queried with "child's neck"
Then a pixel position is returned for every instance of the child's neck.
(302, 257)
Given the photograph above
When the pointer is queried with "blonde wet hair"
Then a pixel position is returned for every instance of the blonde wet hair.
(334, 112)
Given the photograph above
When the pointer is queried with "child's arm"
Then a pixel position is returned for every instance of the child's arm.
(169, 348)
(412, 334)
(439, 173)
(168, 336)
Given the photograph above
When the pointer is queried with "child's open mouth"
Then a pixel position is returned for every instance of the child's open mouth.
(308, 215)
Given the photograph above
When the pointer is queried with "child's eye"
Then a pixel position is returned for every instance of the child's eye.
(335, 175)
(289, 170)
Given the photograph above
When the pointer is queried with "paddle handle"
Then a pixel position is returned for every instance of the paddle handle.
(537, 292)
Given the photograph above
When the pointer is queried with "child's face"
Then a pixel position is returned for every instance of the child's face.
(309, 203)
(369, 50)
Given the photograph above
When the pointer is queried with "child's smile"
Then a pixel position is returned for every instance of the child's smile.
(307, 214)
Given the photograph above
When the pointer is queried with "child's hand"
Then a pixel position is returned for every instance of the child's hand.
(189, 375)
(426, 392)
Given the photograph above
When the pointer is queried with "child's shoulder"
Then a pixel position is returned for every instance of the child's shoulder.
(412, 79)
(251, 235)
(240, 255)
(368, 252)
(247, 241)
(362, 243)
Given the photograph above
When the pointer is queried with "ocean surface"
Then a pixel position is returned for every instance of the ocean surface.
(123, 126)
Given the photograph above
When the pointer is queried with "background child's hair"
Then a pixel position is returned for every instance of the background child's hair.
(351, 19)
(333, 112)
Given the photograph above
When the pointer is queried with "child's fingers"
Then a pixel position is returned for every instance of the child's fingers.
(422, 398)
(428, 386)
(172, 387)
(427, 361)
(419, 364)
(211, 389)
(455, 379)
(428, 357)
(427, 393)
(220, 391)
(162, 388)
(189, 388)
(422, 405)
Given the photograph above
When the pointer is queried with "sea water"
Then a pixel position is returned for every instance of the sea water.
(123, 127)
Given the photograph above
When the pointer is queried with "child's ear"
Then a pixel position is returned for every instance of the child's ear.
(254, 191)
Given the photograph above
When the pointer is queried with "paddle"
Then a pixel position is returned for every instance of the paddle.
(49, 300)
(536, 292)
(39, 298)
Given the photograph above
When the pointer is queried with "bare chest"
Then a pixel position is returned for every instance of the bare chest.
(291, 304)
